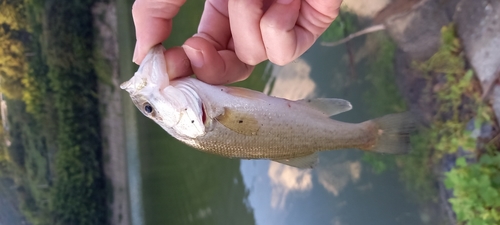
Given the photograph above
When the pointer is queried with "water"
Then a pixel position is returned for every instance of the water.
(175, 184)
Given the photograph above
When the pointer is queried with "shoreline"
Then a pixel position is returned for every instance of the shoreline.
(111, 110)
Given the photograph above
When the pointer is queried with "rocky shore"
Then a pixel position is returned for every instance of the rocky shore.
(417, 33)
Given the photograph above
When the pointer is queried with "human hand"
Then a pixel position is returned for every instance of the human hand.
(233, 35)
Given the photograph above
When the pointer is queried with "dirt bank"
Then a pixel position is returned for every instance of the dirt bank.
(114, 154)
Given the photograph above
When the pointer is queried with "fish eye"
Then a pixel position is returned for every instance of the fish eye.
(148, 108)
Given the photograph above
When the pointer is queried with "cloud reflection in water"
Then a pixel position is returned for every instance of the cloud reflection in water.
(335, 176)
(286, 179)
(291, 81)
(365, 8)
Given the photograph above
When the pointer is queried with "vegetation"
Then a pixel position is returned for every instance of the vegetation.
(47, 73)
(342, 26)
(477, 190)
(380, 75)
(448, 131)
(4, 155)
(12, 34)
(457, 101)
(453, 95)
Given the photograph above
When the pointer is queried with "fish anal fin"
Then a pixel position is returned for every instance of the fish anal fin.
(239, 122)
(328, 106)
(244, 93)
(303, 162)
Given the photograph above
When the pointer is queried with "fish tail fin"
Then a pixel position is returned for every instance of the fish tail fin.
(393, 133)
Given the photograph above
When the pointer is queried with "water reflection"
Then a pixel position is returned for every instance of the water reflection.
(365, 8)
(286, 179)
(291, 81)
(184, 186)
(335, 176)
(200, 214)
(340, 190)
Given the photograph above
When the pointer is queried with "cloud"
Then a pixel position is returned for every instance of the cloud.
(335, 176)
(286, 179)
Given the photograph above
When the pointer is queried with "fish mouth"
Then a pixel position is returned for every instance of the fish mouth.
(203, 114)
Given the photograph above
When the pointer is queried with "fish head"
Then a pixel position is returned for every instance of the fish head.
(174, 109)
(151, 72)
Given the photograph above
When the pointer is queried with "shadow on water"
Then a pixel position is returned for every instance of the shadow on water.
(180, 185)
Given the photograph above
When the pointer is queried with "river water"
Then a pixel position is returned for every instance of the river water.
(171, 183)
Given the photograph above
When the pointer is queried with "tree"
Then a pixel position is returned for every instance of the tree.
(13, 66)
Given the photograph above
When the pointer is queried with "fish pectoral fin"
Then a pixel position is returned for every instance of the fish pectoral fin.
(328, 106)
(239, 122)
(303, 162)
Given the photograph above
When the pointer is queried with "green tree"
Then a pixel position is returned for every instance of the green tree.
(13, 65)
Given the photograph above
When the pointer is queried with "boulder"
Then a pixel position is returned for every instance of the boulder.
(478, 26)
(418, 32)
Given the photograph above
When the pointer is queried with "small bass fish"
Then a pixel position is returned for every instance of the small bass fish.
(241, 123)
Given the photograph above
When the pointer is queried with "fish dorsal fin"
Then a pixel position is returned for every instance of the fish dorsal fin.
(328, 106)
(239, 122)
(303, 162)
(245, 93)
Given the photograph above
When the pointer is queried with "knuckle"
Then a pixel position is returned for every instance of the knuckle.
(280, 61)
(155, 8)
(250, 59)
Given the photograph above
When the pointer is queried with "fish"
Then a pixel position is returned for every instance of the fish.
(241, 123)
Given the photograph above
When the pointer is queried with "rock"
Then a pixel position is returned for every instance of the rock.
(485, 131)
(449, 7)
(412, 84)
(418, 32)
(394, 8)
(478, 26)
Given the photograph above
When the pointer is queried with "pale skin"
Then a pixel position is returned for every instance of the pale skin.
(233, 35)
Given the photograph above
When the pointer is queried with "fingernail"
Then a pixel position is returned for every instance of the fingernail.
(195, 56)
(284, 2)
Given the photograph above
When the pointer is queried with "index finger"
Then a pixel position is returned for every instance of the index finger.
(211, 51)
(153, 23)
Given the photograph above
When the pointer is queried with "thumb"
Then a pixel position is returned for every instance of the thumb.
(153, 23)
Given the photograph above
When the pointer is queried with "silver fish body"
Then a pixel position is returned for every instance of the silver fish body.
(241, 123)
